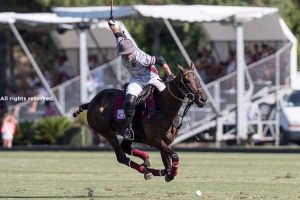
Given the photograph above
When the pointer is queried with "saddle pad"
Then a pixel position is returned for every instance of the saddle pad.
(119, 115)
(119, 107)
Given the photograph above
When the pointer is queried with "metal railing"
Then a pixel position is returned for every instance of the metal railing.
(260, 83)
(109, 75)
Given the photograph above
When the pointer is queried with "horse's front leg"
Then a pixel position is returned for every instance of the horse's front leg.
(172, 169)
(171, 162)
(166, 159)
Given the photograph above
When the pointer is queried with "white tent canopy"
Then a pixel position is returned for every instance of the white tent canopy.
(262, 23)
(203, 13)
(189, 13)
(7, 17)
(259, 23)
(36, 19)
(102, 12)
(263, 29)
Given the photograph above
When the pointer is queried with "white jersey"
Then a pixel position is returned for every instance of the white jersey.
(142, 72)
(141, 66)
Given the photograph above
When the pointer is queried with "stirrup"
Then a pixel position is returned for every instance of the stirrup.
(128, 134)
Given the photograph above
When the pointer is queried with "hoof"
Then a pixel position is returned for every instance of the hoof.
(146, 163)
(168, 178)
(148, 175)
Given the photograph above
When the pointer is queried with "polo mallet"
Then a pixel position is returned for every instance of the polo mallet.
(111, 9)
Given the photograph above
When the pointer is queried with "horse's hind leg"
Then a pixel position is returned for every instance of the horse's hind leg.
(126, 146)
(121, 157)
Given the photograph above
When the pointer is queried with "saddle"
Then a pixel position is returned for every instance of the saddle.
(145, 105)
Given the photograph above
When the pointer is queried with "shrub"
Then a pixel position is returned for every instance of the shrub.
(24, 133)
(50, 129)
(54, 130)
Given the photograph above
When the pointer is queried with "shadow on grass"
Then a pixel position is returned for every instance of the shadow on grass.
(57, 197)
(49, 172)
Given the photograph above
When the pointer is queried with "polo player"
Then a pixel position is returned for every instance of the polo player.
(142, 70)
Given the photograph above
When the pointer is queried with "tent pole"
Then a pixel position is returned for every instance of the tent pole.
(83, 64)
(277, 100)
(241, 115)
(178, 42)
(35, 66)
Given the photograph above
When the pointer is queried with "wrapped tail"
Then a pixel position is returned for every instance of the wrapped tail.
(82, 108)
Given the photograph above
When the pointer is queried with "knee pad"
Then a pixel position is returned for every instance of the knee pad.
(129, 104)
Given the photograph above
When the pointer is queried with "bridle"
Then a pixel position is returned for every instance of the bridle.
(187, 93)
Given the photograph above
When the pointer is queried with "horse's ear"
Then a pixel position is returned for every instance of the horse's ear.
(193, 66)
(181, 68)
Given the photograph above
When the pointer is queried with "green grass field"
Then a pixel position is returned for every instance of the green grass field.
(73, 175)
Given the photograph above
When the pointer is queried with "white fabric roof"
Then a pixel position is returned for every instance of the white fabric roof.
(100, 31)
(36, 19)
(260, 23)
(265, 29)
(102, 12)
(203, 13)
(7, 17)
(189, 13)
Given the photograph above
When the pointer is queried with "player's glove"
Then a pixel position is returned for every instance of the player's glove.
(111, 22)
(170, 77)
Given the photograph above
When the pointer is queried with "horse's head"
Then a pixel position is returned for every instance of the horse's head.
(190, 84)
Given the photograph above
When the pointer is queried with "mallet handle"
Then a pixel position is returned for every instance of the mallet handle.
(111, 9)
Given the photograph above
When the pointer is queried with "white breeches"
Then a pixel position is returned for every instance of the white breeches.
(135, 87)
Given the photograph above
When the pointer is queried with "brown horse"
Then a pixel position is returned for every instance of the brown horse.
(159, 132)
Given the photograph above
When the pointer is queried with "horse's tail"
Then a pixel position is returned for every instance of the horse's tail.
(82, 108)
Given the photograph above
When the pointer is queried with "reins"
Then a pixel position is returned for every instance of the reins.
(188, 98)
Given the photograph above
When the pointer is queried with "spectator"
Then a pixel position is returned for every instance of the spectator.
(8, 129)
(248, 56)
(63, 68)
(49, 110)
(93, 61)
(231, 63)
(91, 85)
(217, 71)
(40, 91)
(202, 67)
(256, 53)
(48, 77)
(32, 80)
(265, 51)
